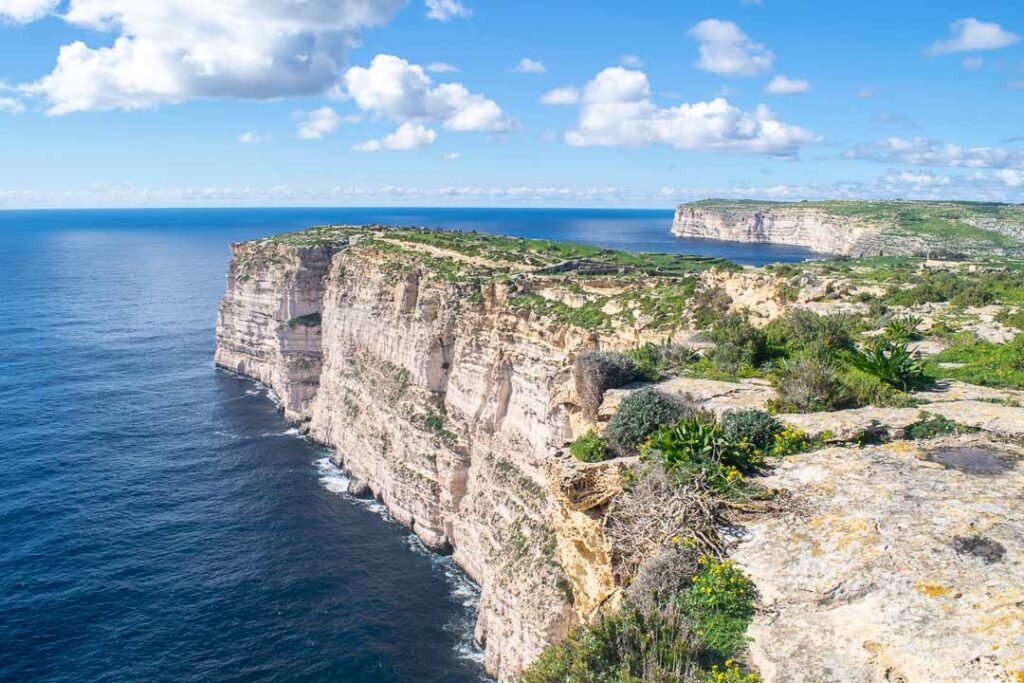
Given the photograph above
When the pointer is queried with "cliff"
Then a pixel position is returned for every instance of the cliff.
(440, 367)
(860, 228)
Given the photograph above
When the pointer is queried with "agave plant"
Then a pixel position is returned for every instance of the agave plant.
(905, 329)
(891, 362)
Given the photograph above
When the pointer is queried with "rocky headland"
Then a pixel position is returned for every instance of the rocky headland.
(860, 228)
(739, 460)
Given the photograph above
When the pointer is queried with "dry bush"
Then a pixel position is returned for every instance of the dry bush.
(657, 513)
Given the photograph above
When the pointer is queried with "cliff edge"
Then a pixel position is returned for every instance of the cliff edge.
(860, 228)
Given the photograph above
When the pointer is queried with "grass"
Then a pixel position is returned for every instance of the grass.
(993, 365)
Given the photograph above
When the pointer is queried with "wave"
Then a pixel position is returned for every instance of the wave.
(461, 587)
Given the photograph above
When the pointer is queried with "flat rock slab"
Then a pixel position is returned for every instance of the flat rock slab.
(953, 390)
(892, 567)
(850, 425)
(719, 397)
(992, 417)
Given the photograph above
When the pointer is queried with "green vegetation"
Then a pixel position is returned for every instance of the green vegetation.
(641, 414)
(589, 448)
(738, 344)
(890, 362)
(931, 426)
(905, 329)
(993, 365)
(755, 429)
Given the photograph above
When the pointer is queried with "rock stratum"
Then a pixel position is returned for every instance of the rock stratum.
(860, 228)
(440, 369)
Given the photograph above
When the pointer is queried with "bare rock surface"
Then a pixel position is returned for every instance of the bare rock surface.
(892, 567)
(719, 397)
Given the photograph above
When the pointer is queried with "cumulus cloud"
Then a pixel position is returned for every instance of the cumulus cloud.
(446, 10)
(781, 85)
(728, 51)
(920, 151)
(11, 105)
(313, 125)
(404, 92)
(24, 11)
(529, 66)
(442, 68)
(970, 35)
(557, 96)
(616, 110)
(408, 136)
(1011, 177)
(252, 138)
(177, 50)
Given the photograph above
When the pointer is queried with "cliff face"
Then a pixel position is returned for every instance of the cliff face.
(812, 228)
(860, 228)
(443, 404)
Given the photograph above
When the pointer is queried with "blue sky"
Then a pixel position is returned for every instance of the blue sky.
(553, 103)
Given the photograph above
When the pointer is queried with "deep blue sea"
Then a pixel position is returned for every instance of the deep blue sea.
(159, 521)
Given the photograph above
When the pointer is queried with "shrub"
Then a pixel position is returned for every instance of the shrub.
(595, 372)
(737, 343)
(721, 605)
(754, 427)
(710, 304)
(891, 362)
(792, 440)
(867, 390)
(1011, 318)
(696, 448)
(589, 448)
(629, 646)
(648, 361)
(931, 426)
(993, 365)
(809, 383)
(801, 329)
(641, 414)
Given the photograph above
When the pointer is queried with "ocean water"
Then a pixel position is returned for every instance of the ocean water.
(159, 521)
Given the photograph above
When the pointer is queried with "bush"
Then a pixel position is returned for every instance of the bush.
(641, 414)
(754, 427)
(867, 390)
(891, 362)
(931, 426)
(737, 343)
(801, 329)
(809, 383)
(1011, 318)
(648, 361)
(595, 372)
(589, 448)
(710, 304)
(629, 646)
(696, 448)
(721, 605)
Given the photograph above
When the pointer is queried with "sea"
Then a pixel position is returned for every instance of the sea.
(159, 521)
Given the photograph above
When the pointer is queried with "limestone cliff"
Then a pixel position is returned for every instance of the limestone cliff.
(440, 367)
(856, 228)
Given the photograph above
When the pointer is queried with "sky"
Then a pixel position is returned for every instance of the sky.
(136, 103)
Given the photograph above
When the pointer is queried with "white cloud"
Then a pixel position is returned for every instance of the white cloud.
(177, 50)
(781, 85)
(445, 10)
(921, 151)
(451, 156)
(313, 125)
(24, 11)
(529, 66)
(969, 35)
(728, 51)
(617, 111)
(252, 138)
(404, 92)
(972, 63)
(408, 136)
(631, 61)
(11, 105)
(568, 95)
(442, 68)
(867, 93)
(918, 180)
(1011, 178)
